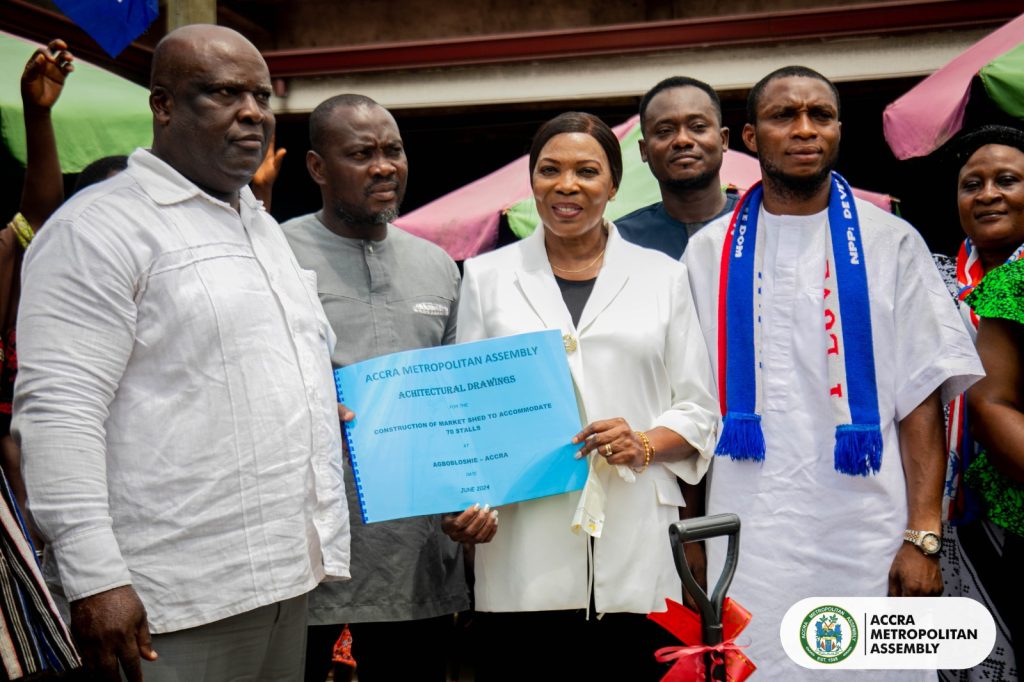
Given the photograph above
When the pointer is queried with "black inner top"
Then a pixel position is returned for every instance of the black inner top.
(575, 294)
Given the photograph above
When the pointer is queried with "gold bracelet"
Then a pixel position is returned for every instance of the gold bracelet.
(648, 452)
(22, 230)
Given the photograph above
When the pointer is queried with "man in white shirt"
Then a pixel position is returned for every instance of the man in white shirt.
(175, 403)
(823, 515)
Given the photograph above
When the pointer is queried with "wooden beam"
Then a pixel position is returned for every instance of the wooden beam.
(32, 22)
(183, 12)
(911, 16)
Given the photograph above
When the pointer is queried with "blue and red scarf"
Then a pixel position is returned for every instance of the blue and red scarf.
(853, 393)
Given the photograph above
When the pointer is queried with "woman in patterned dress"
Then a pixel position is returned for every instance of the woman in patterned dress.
(984, 543)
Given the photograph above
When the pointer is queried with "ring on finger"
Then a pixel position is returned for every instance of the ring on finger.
(607, 449)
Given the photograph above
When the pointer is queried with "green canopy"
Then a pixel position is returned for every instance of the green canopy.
(98, 114)
(1003, 78)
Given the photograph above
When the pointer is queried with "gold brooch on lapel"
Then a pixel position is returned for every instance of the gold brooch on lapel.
(570, 343)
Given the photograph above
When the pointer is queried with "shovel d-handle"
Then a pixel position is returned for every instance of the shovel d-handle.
(702, 528)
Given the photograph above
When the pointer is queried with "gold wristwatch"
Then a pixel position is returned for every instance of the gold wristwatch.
(928, 542)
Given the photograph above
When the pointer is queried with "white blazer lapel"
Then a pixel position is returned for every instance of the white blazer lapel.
(538, 285)
(610, 281)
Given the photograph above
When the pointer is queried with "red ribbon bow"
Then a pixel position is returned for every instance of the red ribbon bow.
(684, 623)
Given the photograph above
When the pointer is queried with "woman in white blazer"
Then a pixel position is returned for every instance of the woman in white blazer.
(592, 563)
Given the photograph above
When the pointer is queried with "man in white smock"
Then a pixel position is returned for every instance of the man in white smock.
(835, 347)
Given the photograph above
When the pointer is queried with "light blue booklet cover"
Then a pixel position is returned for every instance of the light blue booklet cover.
(439, 429)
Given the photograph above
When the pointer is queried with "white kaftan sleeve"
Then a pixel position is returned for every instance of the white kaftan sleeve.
(933, 349)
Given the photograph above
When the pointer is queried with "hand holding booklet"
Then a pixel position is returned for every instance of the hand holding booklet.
(439, 429)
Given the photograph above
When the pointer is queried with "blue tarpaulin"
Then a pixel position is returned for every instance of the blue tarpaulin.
(111, 23)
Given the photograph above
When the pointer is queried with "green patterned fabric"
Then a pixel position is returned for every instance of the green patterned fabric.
(1004, 497)
(1001, 293)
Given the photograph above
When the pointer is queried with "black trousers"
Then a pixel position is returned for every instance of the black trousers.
(386, 652)
(509, 647)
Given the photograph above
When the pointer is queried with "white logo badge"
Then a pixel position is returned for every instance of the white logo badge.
(888, 633)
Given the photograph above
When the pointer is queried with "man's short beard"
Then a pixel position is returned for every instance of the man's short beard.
(386, 216)
(702, 181)
(795, 188)
(350, 215)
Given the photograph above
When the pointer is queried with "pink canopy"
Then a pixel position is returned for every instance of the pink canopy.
(465, 222)
(932, 112)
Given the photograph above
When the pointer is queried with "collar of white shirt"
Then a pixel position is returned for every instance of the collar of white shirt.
(165, 185)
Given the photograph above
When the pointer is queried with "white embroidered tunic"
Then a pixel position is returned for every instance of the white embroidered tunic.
(175, 402)
(808, 530)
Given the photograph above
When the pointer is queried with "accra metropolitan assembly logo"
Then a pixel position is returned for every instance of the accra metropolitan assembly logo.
(828, 634)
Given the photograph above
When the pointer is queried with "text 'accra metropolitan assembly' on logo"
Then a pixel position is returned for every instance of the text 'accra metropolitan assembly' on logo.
(878, 633)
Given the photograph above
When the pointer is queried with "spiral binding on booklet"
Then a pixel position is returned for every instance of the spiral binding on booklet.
(351, 452)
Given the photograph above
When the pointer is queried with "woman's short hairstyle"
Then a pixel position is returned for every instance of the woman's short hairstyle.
(580, 122)
(964, 147)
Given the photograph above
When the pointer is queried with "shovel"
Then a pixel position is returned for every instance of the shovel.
(693, 530)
